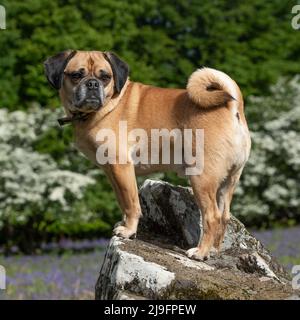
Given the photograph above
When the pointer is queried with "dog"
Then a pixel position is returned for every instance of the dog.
(96, 93)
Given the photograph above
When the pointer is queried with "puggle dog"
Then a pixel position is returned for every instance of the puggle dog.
(97, 94)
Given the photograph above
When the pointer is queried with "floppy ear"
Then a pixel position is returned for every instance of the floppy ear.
(55, 66)
(119, 68)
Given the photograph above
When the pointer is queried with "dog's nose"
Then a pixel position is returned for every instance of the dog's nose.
(92, 84)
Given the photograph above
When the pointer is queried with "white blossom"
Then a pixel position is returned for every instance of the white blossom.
(30, 180)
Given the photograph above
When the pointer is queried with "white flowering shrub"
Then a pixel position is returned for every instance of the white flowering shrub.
(32, 185)
(269, 191)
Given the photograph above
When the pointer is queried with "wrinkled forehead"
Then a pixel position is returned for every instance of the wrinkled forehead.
(91, 61)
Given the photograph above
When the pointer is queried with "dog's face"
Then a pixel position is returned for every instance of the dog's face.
(86, 80)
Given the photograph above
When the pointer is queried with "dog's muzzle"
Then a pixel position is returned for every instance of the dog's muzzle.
(89, 95)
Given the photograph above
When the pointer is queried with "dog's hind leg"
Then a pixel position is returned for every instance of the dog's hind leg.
(224, 198)
(205, 191)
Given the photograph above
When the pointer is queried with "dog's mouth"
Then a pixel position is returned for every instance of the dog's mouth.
(89, 104)
(94, 103)
(81, 110)
(92, 100)
(88, 100)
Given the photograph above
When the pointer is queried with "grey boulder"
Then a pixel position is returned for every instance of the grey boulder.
(154, 265)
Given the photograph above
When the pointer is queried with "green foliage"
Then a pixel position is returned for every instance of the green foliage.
(163, 41)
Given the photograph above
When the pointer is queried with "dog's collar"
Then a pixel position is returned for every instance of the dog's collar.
(76, 116)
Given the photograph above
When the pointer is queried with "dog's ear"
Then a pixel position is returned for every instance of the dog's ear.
(55, 66)
(119, 68)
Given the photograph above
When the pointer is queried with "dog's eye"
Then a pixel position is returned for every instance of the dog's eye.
(76, 75)
(105, 77)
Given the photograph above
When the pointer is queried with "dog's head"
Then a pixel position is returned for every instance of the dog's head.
(86, 80)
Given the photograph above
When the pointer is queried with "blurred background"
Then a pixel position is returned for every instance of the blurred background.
(56, 209)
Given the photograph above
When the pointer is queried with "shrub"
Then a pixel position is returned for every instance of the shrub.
(41, 197)
(269, 191)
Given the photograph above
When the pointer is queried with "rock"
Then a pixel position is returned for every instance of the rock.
(154, 265)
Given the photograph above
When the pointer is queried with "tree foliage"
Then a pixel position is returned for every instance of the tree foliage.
(163, 41)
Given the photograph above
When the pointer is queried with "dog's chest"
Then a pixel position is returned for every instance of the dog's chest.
(87, 145)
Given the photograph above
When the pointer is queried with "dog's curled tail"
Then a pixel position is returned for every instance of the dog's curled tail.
(210, 88)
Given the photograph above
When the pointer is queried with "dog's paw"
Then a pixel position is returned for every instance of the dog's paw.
(120, 223)
(124, 232)
(214, 252)
(197, 254)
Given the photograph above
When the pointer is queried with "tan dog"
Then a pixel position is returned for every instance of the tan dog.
(97, 94)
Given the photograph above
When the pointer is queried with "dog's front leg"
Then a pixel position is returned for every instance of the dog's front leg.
(122, 178)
